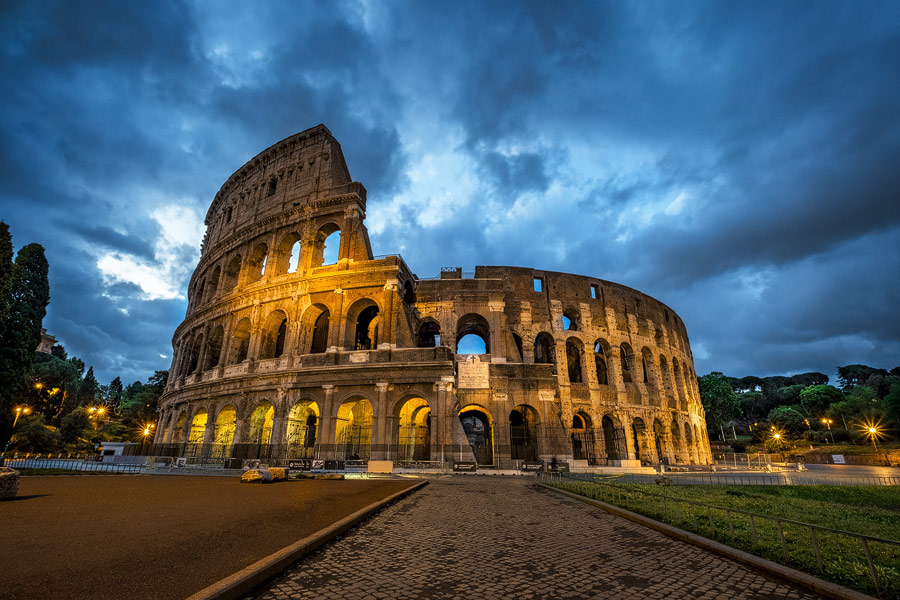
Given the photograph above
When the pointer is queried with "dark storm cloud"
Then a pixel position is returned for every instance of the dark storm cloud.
(736, 160)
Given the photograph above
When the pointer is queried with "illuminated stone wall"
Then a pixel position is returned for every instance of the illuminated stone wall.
(285, 353)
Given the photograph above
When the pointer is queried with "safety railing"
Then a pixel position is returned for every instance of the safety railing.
(778, 478)
(864, 562)
(72, 465)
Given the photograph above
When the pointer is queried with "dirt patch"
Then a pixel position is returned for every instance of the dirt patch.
(151, 536)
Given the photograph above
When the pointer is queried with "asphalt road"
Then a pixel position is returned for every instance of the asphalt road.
(146, 536)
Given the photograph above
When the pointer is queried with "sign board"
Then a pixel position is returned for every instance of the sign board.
(301, 464)
(473, 374)
(532, 466)
(465, 467)
(559, 467)
(838, 459)
(181, 461)
(334, 465)
(547, 395)
(359, 357)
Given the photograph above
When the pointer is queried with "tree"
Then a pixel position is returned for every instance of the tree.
(115, 392)
(53, 382)
(787, 395)
(719, 400)
(817, 398)
(74, 425)
(788, 420)
(753, 405)
(850, 376)
(33, 435)
(87, 391)
(59, 351)
(25, 298)
(808, 379)
(892, 403)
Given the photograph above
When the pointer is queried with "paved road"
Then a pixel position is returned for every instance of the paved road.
(493, 537)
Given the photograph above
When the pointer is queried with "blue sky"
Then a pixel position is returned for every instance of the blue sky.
(737, 161)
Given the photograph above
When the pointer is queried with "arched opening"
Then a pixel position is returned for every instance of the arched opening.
(627, 359)
(212, 284)
(287, 255)
(353, 433)
(520, 350)
(302, 429)
(476, 423)
(676, 439)
(659, 439)
(600, 363)
(198, 428)
(197, 294)
(666, 381)
(327, 245)
(678, 399)
(413, 437)
(178, 430)
(314, 329)
(468, 328)
(214, 347)
(366, 336)
(570, 319)
(409, 296)
(613, 439)
(194, 358)
(256, 265)
(223, 435)
(240, 342)
(639, 430)
(261, 422)
(646, 361)
(523, 421)
(429, 334)
(583, 439)
(320, 333)
(689, 441)
(232, 273)
(272, 335)
(573, 360)
(544, 349)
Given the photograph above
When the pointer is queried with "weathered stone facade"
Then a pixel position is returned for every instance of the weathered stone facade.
(282, 356)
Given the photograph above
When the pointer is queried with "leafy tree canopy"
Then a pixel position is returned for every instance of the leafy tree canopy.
(788, 420)
(817, 398)
(719, 400)
(850, 376)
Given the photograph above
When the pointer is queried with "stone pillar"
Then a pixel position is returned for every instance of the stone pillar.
(387, 321)
(337, 324)
(328, 423)
(381, 436)
(444, 411)
(498, 348)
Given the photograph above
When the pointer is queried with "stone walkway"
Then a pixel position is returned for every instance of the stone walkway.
(493, 537)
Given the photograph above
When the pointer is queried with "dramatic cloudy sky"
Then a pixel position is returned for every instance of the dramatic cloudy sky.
(738, 161)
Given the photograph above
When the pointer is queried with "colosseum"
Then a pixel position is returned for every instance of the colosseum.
(301, 345)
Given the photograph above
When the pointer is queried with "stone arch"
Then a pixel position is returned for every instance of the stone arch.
(473, 324)
(302, 429)
(517, 340)
(571, 319)
(272, 335)
(689, 442)
(601, 361)
(678, 384)
(256, 264)
(353, 430)
(545, 349)
(428, 334)
(583, 442)
(574, 350)
(660, 441)
(646, 361)
(240, 342)
(212, 284)
(177, 435)
(666, 390)
(198, 427)
(523, 433)
(327, 244)
(412, 433)
(677, 446)
(315, 325)
(261, 423)
(287, 255)
(214, 347)
(614, 443)
(223, 434)
(194, 356)
(363, 324)
(626, 354)
(409, 294)
(232, 274)
(478, 426)
(639, 433)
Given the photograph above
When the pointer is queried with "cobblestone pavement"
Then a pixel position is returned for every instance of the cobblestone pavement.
(493, 537)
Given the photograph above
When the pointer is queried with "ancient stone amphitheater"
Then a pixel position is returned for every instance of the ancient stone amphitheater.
(299, 343)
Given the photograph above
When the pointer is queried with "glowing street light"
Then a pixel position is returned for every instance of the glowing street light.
(828, 423)
(871, 429)
(20, 410)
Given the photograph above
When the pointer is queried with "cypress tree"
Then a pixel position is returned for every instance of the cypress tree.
(25, 299)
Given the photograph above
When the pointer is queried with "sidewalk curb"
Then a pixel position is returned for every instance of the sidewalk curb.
(810, 582)
(234, 586)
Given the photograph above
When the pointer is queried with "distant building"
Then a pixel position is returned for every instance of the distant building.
(47, 342)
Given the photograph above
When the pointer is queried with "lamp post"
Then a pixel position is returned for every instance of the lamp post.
(828, 423)
(20, 410)
(873, 433)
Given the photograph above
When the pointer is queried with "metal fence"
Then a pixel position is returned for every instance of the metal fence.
(72, 465)
(813, 548)
(782, 478)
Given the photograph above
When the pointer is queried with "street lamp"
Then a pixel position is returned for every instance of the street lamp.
(20, 410)
(871, 429)
(828, 423)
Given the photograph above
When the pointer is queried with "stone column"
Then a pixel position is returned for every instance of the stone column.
(381, 437)
(498, 348)
(338, 323)
(443, 411)
(387, 321)
(327, 423)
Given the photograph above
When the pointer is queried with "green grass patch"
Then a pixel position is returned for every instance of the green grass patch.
(873, 511)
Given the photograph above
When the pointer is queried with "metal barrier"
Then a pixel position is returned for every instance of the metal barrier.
(72, 465)
(663, 507)
(780, 478)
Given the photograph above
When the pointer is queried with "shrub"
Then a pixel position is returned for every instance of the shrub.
(739, 446)
(33, 435)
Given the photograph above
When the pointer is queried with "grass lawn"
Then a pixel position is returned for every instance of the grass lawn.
(873, 511)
